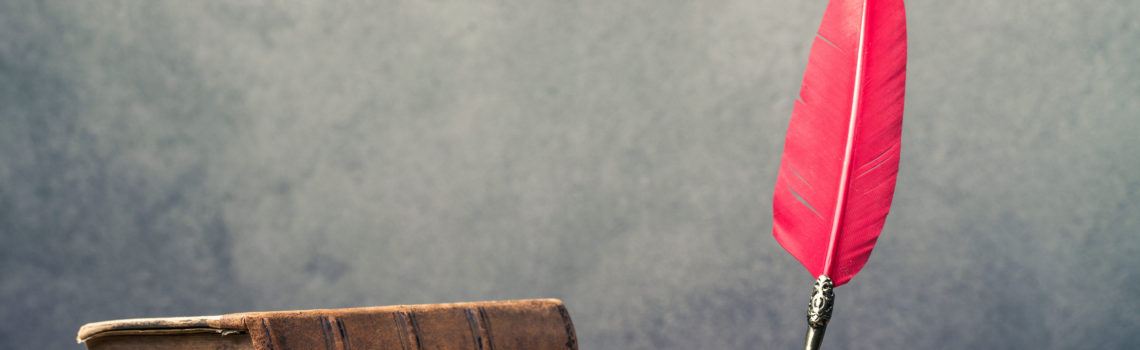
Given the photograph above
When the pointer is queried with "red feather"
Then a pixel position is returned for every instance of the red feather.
(841, 155)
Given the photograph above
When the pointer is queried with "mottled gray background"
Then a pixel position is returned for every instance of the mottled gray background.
(186, 157)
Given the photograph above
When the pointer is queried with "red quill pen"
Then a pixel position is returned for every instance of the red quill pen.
(837, 174)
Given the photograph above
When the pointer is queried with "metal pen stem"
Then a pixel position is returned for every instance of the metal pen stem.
(819, 311)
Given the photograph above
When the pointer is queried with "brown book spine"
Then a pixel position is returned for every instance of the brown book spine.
(498, 325)
(524, 324)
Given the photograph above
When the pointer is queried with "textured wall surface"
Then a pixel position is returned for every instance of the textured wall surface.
(187, 157)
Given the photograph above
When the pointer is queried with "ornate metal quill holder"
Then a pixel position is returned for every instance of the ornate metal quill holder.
(819, 311)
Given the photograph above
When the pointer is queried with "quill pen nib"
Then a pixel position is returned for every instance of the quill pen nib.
(819, 311)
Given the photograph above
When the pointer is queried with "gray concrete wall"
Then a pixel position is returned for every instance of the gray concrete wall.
(187, 157)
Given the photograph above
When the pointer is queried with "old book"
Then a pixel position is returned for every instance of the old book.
(498, 325)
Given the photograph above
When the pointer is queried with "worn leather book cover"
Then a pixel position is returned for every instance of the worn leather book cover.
(497, 325)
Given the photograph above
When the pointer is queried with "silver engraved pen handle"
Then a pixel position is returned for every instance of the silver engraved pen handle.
(819, 311)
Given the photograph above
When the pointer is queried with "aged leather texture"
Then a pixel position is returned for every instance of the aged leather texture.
(498, 325)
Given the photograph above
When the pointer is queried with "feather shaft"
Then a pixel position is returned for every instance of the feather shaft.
(844, 182)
